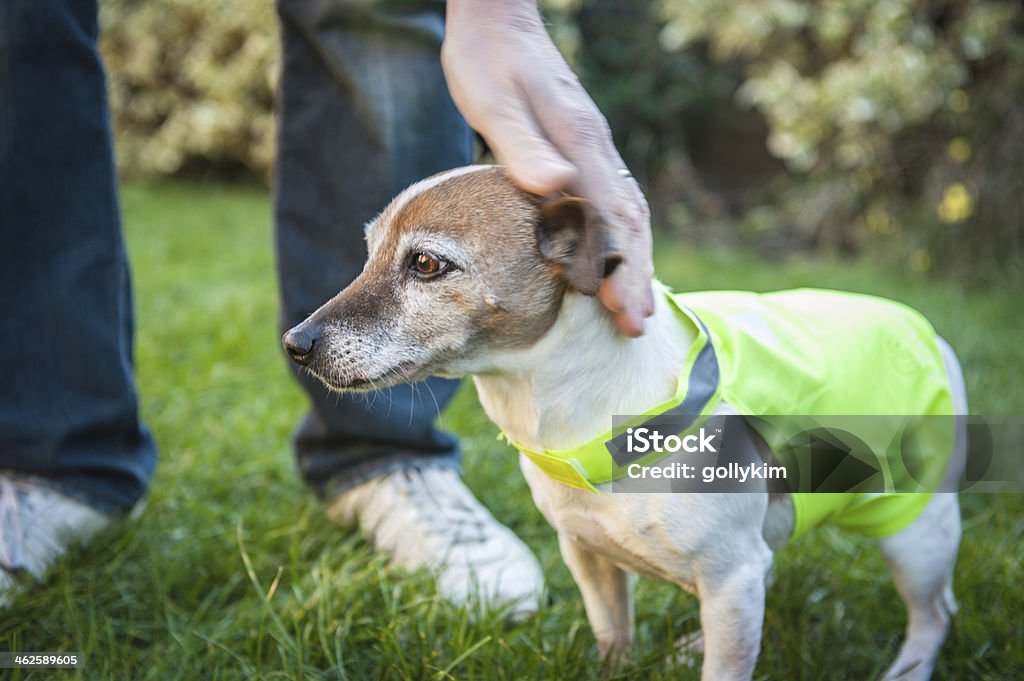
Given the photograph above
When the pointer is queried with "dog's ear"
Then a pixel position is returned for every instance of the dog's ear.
(573, 239)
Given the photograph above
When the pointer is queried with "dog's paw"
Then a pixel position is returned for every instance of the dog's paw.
(615, 653)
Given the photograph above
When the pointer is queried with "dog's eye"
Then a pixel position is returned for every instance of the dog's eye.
(427, 266)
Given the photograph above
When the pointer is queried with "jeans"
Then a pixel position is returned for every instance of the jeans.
(363, 111)
(68, 409)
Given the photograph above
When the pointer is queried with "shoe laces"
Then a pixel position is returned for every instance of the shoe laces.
(458, 519)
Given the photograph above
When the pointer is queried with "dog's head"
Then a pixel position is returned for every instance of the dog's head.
(460, 265)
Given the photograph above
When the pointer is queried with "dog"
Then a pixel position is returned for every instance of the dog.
(467, 274)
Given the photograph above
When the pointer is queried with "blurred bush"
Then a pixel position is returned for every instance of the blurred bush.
(888, 125)
(191, 84)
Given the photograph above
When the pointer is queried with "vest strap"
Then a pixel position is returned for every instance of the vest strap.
(605, 458)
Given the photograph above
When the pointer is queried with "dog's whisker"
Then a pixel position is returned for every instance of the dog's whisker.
(415, 393)
(437, 405)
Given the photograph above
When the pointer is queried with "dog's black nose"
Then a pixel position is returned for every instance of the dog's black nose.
(299, 343)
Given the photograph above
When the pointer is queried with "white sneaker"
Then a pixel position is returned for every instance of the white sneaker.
(37, 526)
(426, 517)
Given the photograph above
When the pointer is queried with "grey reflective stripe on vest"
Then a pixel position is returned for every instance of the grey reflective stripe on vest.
(701, 386)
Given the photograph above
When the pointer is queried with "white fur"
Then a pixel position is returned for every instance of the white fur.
(560, 393)
(556, 393)
(922, 556)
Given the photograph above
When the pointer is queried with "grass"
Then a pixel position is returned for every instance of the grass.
(233, 572)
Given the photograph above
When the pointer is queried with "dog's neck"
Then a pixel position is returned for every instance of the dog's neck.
(564, 390)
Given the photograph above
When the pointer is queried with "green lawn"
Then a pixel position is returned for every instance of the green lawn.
(232, 572)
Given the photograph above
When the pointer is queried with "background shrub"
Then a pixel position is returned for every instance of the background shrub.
(895, 126)
(191, 84)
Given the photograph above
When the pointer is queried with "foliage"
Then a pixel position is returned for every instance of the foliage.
(191, 83)
(647, 93)
(838, 80)
(234, 572)
(889, 99)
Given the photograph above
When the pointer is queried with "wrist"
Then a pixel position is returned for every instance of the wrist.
(504, 13)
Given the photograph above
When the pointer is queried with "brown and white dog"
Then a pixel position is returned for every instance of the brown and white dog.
(469, 275)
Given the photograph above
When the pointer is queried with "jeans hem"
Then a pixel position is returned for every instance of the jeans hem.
(73, 492)
(339, 484)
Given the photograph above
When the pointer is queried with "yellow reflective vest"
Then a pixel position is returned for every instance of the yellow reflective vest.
(865, 371)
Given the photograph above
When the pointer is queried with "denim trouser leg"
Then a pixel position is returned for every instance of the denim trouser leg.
(68, 408)
(363, 111)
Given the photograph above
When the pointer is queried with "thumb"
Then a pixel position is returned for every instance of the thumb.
(533, 163)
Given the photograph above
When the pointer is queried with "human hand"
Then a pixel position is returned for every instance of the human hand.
(513, 86)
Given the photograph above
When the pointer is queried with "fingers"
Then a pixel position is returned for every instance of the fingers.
(572, 122)
(628, 324)
(627, 292)
(580, 133)
(518, 142)
(615, 295)
(541, 124)
(531, 160)
(542, 171)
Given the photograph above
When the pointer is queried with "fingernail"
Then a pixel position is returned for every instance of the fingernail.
(630, 324)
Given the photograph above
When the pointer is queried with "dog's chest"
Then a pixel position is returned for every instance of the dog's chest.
(633, 551)
(629, 530)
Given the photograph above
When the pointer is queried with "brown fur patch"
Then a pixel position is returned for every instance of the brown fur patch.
(496, 222)
(500, 293)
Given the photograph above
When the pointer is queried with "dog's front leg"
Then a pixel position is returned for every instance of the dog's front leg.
(731, 616)
(607, 597)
